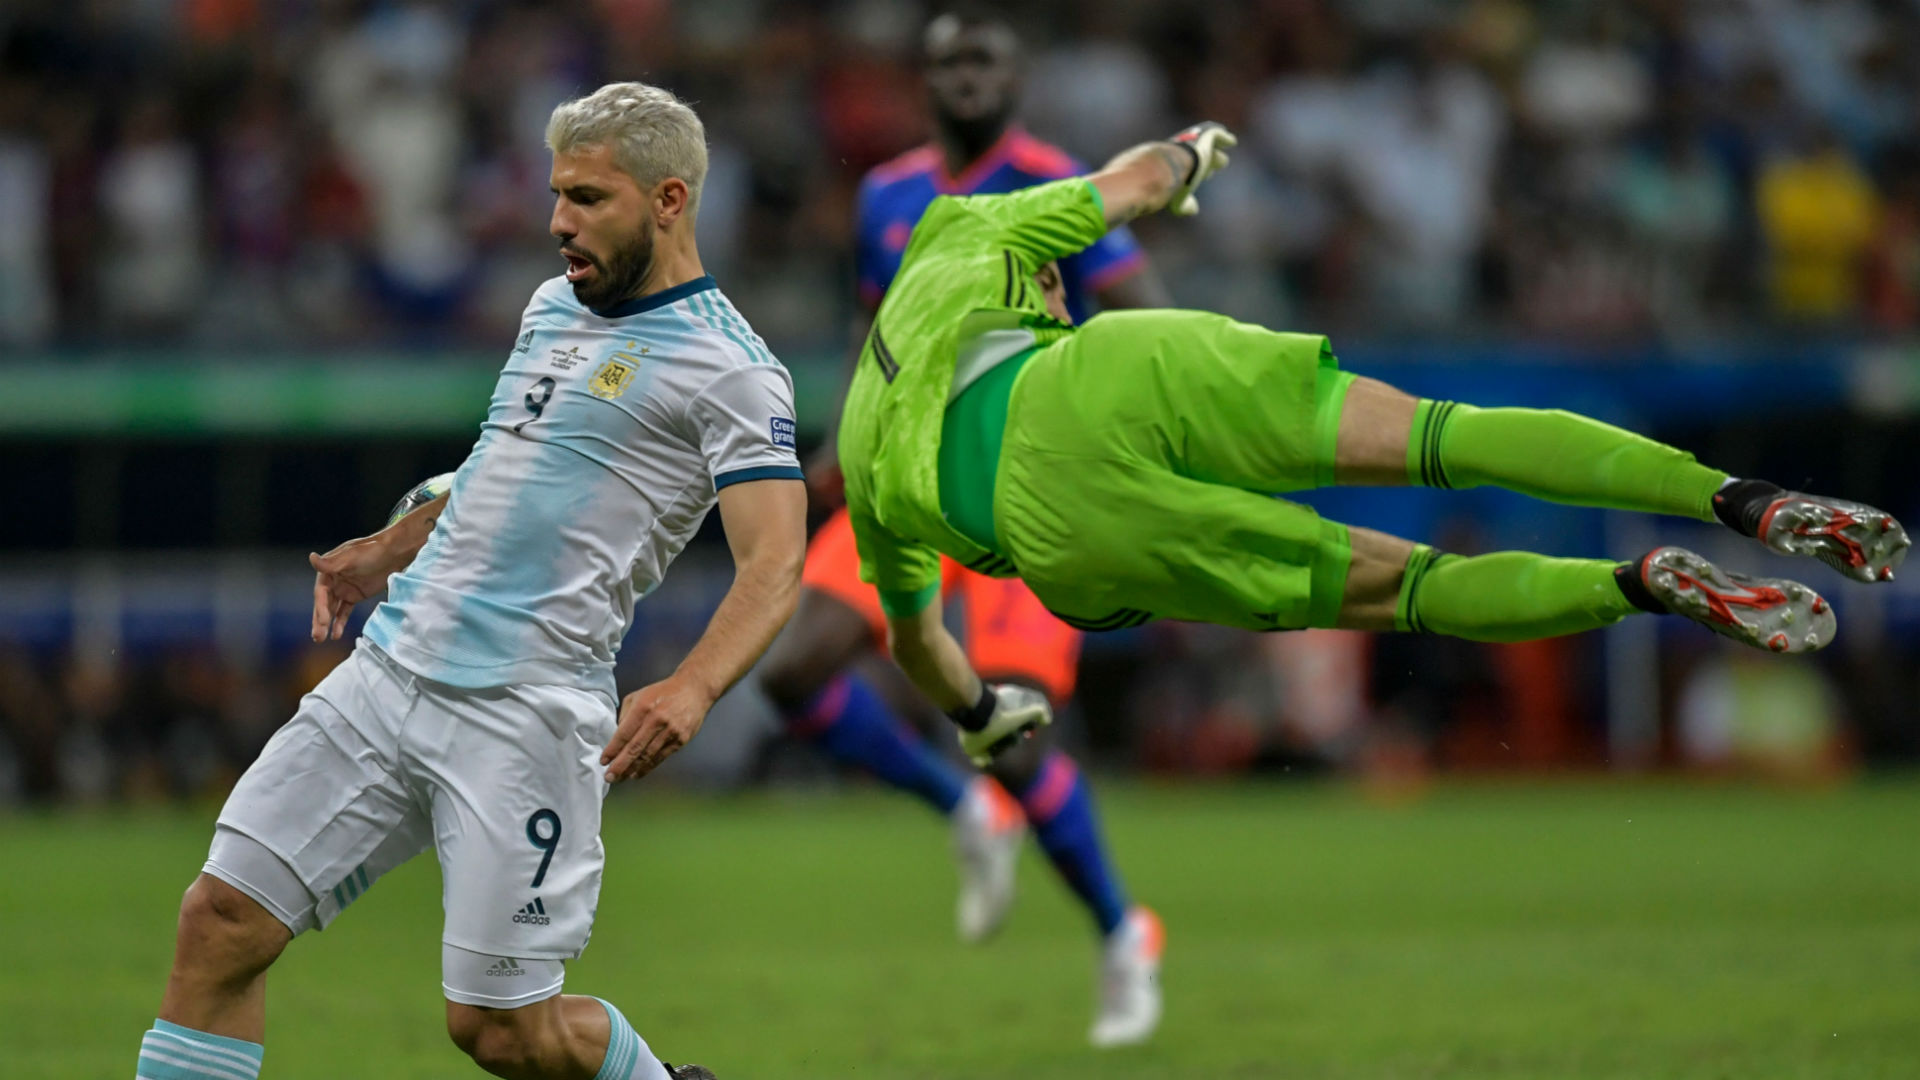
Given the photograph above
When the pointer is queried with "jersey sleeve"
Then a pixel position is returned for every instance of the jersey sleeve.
(1045, 222)
(906, 574)
(745, 424)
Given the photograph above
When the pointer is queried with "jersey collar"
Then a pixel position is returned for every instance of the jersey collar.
(660, 299)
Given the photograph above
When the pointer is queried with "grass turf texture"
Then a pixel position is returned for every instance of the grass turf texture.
(1589, 930)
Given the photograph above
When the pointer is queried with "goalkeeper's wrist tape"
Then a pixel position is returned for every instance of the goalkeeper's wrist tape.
(974, 717)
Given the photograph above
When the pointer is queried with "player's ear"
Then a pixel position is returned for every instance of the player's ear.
(1048, 276)
(671, 200)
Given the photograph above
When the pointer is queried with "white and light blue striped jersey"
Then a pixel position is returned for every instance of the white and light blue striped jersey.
(607, 441)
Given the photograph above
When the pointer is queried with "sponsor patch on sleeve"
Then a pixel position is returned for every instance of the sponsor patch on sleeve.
(783, 432)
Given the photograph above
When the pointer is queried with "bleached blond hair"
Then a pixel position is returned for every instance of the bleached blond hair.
(653, 135)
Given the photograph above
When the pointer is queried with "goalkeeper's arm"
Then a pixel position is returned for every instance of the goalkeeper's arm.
(1162, 175)
(991, 718)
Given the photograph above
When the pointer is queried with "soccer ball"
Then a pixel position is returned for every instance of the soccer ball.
(423, 493)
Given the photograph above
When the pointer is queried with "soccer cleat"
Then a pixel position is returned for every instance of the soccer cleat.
(988, 829)
(690, 1072)
(1130, 981)
(1767, 613)
(1863, 543)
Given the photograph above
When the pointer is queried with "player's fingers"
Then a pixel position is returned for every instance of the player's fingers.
(342, 610)
(322, 608)
(631, 714)
(649, 750)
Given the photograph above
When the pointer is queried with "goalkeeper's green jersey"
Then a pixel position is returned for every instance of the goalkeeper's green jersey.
(963, 301)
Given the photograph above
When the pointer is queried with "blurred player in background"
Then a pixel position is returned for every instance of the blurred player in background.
(972, 71)
(476, 716)
(1127, 469)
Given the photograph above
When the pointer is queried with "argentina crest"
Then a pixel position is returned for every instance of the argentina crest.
(614, 376)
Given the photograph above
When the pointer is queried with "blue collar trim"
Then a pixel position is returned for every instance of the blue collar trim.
(640, 304)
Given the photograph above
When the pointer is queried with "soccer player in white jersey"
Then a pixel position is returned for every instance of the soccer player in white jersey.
(477, 715)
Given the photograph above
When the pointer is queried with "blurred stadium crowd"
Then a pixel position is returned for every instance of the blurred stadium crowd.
(342, 170)
(236, 178)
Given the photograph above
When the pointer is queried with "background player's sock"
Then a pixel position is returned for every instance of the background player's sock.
(628, 1055)
(1508, 595)
(1558, 456)
(851, 722)
(1060, 812)
(172, 1052)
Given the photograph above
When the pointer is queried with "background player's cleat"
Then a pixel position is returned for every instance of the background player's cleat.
(1767, 613)
(1130, 981)
(1017, 712)
(690, 1072)
(1863, 543)
(988, 829)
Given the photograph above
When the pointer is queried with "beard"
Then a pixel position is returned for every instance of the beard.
(977, 134)
(620, 275)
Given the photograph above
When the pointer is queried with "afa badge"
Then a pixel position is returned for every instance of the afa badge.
(613, 377)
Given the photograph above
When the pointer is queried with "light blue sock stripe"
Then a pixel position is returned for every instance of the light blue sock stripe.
(241, 1046)
(177, 1046)
(623, 1045)
(166, 1060)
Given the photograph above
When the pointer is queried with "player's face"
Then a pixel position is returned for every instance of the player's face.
(604, 222)
(1054, 288)
(971, 74)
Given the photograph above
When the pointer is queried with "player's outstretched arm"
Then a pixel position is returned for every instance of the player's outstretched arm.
(1162, 175)
(358, 569)
(766, 523)
(991, 718)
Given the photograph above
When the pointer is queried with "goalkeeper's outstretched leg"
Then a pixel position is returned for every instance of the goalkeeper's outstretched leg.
(1141, 456)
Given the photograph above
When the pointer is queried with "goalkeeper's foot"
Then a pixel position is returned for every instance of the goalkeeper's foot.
(1130, 981)
(988, 829)
(1767, 613)
(1859, 541)
(690, 1072)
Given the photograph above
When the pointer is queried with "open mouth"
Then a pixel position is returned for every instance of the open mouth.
(578, 266)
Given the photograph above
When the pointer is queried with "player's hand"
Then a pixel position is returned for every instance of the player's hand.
(1018, 711)
(1209, 142)
(345, 576)
(655, 721)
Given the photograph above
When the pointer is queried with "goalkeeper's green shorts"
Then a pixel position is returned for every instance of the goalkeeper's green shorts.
(1137, 474)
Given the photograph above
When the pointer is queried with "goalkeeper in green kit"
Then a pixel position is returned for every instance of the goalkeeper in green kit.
(1126, 469)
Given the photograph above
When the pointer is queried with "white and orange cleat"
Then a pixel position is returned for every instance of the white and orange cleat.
(1767, 613)
(988, 830)
(1859, 541)
(1130, 981)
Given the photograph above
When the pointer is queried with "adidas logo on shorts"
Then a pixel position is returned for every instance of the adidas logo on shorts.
(505, 967)
(535, 913)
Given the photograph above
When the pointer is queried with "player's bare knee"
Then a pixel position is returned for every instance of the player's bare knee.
(1371, 596)
(226, 934)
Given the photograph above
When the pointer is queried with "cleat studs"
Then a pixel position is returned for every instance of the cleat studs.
(1778, 643)
(1886, 573)
(1819, 606)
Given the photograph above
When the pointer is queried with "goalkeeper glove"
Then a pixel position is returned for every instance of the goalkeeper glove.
(1207, 142)
(1002, 717)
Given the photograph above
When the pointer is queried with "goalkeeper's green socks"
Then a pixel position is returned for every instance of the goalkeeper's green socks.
(1515, 595)
(1555, 455)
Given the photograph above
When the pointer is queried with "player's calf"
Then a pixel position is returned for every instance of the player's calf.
(225, 942)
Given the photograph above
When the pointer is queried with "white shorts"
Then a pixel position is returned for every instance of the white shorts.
(379, 765)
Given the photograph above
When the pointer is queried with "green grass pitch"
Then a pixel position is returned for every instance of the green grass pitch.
(1532, 931)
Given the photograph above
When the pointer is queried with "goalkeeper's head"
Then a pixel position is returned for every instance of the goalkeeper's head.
(973, 76)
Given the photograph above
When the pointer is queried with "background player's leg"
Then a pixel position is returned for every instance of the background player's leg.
(1059, 808)
(806, 677)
